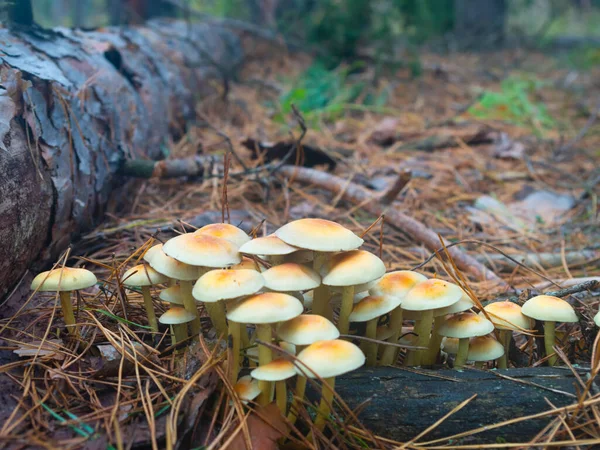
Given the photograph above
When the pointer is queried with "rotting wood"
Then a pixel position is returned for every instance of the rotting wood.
(368, 201)
(401, 403)
(74, 105)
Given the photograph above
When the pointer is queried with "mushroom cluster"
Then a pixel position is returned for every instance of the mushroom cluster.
(273, 298)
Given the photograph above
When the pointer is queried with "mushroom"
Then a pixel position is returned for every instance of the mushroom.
(349, 269)
(424, 298)
(395, 284)
(248, 264)
(64, 280)
(204, 251)
(302, 331)
(550, 310)
(322, 237)
(178, 318)
(263, 310)
(217, 285)
(225, 231)
(369, 309)
(278, 371)
(597, 319)
(176, 270)
(145, 277)
(464, 326)
(270, 246)
(172, 295)
(506, 317)
(327, 360)
(289, 277)
(464, 304)
(247, 389)
(483, 349)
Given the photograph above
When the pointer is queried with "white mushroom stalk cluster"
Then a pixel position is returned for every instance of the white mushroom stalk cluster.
(273, 299)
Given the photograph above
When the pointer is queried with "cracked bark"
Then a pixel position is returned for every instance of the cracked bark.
(74, 106)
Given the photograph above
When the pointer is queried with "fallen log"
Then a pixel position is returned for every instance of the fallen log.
(369, 202)
(74, 106)
(399, 404)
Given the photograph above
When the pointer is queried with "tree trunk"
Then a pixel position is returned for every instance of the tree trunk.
(73, 107)
(404, 403)
(480, 23)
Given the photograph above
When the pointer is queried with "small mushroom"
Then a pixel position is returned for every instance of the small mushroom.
(145, 277)
(264, 310)
(347, 270)
(247, 389)
(278, 371)
(323, 237)
(172, 295)
(395, 284)
(369, 309)
(271, 246)
(550, 310)
(464, 326)
(506, 317)
(483, 349)
(64, 280)
(225, 231)
(290, 277)
(327, 360)
(425, 297)
(178, 318)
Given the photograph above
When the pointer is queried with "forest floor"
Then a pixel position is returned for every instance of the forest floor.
(499, 148)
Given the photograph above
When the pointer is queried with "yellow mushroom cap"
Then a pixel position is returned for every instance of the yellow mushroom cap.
(352, 268)
(176, 316)
(152, 252)
(291, 277)
(202, 250)
(397, 283)
(142, 275)
(63, 279)
(484, 348)
(170, 267)
(172, 295)
(372, 307)
(465, 325)
(597, 319)
(318, 235)
(277, 370)
(248, 264)
(549, 308)
(268, 245)
(432, 294)
(224, 284)
(225, 231)
(246, 388)
(507, 316)
(329, 359)
(268, 307)
(465, 303)
(307, 329)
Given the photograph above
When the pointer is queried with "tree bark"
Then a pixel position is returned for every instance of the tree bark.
(74, 106)
(404, 403)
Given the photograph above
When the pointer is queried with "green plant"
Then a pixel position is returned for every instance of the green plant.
(514, 103)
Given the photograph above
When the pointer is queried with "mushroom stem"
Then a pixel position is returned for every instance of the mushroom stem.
(479, 364)
(189, 303)
(430, 356)
(172, 282)
(276, 260)
(299, 391)
(389, 351)
(504, 336)
(67, 309)
(265, 356)
(327, 394)
(236, 341)
(463, 352)
(549, 340)
(370, 348)
(281, 395)
(216, 311)
(346, 309)
(423, 329)
(149, 308)
(321, 293)
(179, 332)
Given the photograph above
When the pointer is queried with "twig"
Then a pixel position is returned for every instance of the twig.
(418, 231)
(204, 122)
(586, 128)
(401, 181)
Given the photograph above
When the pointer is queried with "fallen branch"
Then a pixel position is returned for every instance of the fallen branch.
(171, 168)
(356, 194)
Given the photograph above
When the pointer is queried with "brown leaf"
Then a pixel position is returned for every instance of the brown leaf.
(266, 426)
